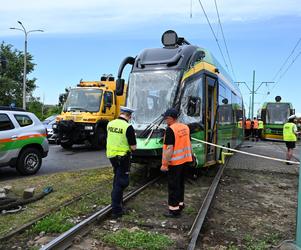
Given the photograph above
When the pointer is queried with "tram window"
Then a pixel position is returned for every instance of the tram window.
(194, 106)
(191, 103)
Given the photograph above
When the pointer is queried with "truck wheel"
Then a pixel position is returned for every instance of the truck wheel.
(29, 161)
(66, 145)
(99, 140)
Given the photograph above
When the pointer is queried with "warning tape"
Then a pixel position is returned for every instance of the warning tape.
(246, 153)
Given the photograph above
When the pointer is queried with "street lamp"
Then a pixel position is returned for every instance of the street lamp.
(25, 58)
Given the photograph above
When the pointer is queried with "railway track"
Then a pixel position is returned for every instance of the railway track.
(200, 218)
(66, 239)
(76, 233)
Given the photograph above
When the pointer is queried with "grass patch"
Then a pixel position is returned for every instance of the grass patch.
(66, 186)
(138, 239)
(261, 244)
(54, 223)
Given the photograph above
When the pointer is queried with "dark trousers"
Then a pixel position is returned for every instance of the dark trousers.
(121, 167)
(176, 186)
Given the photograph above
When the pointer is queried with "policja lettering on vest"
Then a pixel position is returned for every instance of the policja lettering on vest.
(121, 140)
(176, 154)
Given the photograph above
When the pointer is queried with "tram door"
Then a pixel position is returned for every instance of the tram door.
(210, 118)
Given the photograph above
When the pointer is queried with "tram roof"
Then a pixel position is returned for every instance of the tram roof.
(264, 105)
(177, 58)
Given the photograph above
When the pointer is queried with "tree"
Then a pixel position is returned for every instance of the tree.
(11, 75)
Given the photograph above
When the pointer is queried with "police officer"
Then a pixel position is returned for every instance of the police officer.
(177, 153)
(290, 136)
(121, 141)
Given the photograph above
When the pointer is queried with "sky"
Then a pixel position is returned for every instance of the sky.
(85, 39)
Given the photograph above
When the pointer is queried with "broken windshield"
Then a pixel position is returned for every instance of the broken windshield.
(151, 93)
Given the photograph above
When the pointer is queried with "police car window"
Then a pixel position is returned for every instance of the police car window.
(5, 123)
(23, 120)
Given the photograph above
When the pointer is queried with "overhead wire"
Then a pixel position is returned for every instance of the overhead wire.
(219, 47)
(288, 67)
(224, 39)
(282, 66)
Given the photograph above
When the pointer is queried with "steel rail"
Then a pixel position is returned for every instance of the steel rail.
(199, 220)
(65, 240)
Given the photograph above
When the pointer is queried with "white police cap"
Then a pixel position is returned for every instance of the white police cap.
(292, 117)
(126, 110)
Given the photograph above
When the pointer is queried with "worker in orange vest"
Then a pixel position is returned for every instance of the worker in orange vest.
(255, 129)
(248, 129)
(176, 155)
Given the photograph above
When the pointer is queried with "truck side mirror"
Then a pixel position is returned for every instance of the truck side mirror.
(119, 86)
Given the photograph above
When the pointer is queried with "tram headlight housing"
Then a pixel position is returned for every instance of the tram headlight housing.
(169, 38)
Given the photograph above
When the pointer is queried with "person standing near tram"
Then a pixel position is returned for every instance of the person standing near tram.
(121, 141)
(177, 154)
(290, 133)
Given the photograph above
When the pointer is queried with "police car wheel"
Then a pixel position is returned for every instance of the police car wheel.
(29, 161)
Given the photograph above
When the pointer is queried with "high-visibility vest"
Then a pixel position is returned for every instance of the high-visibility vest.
(117, 144)
(182, 149)
(288, 133)
(260, 124)
(255, 124)
(248, 124)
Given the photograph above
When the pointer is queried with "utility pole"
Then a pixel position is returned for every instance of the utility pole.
(25, 58)
(252, 93)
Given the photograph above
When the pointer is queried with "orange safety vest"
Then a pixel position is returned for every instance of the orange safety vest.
(255, 124)
(182, 152)
(248, 124)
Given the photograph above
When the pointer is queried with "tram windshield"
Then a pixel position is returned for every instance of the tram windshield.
(83, 99)
(151, 93)
(277, 113)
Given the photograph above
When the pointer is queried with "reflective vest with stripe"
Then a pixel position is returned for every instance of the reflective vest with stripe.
(182, 149)
(260, 124)
(117, 143)
(288, 132)
(255, 124)
(248, 124)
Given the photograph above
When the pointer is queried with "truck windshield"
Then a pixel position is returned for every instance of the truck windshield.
(151, 93)
(277, 113)
(83, 99)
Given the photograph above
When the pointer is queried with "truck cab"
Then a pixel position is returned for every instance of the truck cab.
(85, 115)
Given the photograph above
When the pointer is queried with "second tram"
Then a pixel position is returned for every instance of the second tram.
(274, 115)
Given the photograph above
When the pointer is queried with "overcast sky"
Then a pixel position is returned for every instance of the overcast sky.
(84, 39)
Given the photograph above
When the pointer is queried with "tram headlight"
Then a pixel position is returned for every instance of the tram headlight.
(169, 38)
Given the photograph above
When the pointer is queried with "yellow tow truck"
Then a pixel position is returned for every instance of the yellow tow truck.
(88, 109)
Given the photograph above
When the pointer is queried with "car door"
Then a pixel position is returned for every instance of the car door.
(7, 138)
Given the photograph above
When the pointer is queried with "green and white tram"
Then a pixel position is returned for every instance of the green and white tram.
(274, 115)
(190, 79)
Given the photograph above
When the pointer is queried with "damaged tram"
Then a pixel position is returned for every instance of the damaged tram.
(190, 79)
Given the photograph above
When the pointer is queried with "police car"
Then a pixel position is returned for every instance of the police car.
(23, 140)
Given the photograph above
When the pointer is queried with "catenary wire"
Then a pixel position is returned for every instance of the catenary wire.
(219, 47)
(286, 60)
(224, 39)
